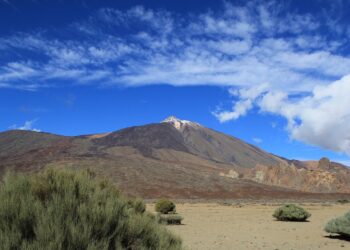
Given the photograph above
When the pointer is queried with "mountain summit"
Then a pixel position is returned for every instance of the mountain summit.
(175, 158)
(180, 124)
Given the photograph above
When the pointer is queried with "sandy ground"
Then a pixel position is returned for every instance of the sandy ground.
(251, 226)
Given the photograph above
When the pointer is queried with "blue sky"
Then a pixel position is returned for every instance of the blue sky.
(273, 73)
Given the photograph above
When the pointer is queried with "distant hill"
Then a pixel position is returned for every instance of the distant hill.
(176, 158)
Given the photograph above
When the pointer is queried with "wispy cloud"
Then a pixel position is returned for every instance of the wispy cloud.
(238, 46)
(28, 125)
(267, 55)
(30, 109)
(257, 140)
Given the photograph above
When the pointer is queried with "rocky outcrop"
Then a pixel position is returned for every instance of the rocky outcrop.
(324, 163)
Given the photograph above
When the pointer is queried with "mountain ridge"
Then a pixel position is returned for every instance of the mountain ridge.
(175, 158)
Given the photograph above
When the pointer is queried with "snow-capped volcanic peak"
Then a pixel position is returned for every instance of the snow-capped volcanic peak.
(180, 124)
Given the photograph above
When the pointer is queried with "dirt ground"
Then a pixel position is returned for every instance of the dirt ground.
(251, 226)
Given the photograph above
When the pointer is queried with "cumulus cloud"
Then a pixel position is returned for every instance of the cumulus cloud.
(320, 118)
(269, 57)
(28, 125)
(324, 117)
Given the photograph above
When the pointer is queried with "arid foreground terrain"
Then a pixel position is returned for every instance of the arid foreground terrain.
(251, 226)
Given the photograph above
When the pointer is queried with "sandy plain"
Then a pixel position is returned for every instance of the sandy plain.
(251, 226)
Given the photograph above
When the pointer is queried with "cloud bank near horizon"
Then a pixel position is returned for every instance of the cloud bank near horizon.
(286, 63)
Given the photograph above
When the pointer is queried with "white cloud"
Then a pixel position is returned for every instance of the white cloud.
(271, 101)
(247, 97)
(257, 140)
(321, 118)
(241, 45)
(28, 125)
(230, 47)
(324, 116)
(240, 109)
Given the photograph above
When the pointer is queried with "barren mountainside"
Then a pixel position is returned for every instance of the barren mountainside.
(175, 158)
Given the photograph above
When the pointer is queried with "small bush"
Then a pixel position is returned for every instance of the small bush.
(60, 209)
(291, 212)
(165, 206)
(138, 205)
(170, 219)
(343, 201)
(340, 225)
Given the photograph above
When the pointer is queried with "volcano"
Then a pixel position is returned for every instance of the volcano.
(178, 159)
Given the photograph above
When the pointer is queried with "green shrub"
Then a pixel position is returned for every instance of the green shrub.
(138, 205)
(291, 212)
(165, 206)
(170, 219)
(343, 201)
(61, 209)
(340, 225)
